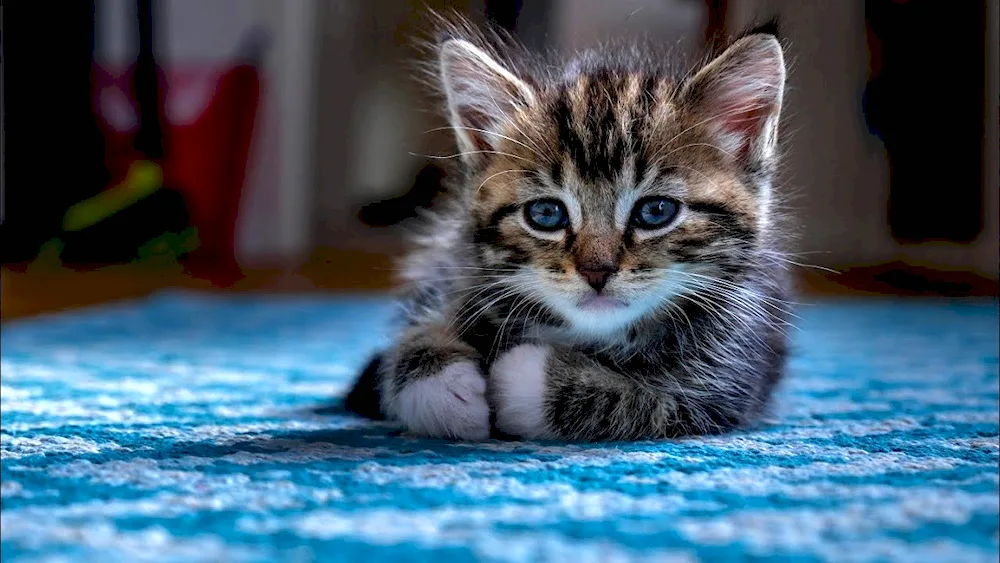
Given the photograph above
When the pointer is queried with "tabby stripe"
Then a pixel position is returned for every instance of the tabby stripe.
(490, 233)
(501, 214)
(608, 154)
(725, 218)
(557, 172)
(708, 207)
(570, 240)
(569, 141)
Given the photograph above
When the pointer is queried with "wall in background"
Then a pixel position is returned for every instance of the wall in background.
(580, 24)
(835, 170)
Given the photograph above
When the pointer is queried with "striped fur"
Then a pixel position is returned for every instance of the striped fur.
(689, 337)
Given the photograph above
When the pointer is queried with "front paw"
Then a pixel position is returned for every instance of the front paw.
(518, 390)
(449, 404)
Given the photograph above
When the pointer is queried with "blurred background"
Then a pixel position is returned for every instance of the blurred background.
(270, 145)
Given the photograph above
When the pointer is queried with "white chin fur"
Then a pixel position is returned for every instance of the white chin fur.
(518, 381)
(451, 404)
(601, 323)
(609, 324)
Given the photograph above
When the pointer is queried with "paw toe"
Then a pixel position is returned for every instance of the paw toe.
(451, 404)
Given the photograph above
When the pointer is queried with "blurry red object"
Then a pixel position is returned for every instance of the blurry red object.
(208, 116)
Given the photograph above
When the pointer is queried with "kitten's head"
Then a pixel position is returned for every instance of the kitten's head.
(605, 187)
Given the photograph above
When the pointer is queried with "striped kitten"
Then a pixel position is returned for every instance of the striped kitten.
(606, 266)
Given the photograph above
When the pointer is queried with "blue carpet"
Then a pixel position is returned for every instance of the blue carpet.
(182, 428)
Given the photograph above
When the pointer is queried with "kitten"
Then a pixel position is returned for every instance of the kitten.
(607, 268)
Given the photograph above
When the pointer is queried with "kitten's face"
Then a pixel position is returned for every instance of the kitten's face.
(606, 194)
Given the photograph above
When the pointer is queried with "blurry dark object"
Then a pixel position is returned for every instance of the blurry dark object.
(421, 194)
(528, 23)
(715, 28)
(54, 150)
(364, 399)
(149, 138)
(504, 13)
(139, 216)
(925, 101)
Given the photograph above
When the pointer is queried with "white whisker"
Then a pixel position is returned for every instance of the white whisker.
(494, 133)
(466, 153)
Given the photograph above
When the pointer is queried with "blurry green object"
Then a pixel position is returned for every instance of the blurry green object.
(144, 178)
(170, 245)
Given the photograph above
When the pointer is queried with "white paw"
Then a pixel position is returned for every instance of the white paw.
(451, 404)
(518, 381)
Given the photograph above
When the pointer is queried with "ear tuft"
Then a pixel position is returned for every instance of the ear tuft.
(739, 95)
(482, 95)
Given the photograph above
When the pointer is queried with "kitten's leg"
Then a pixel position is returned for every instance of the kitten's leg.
(365, 397)
(544, 392)
(433, 384)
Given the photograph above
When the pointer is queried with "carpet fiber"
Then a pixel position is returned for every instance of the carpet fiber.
(184, 428)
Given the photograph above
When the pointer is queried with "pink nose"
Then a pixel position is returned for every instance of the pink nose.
(597, 278)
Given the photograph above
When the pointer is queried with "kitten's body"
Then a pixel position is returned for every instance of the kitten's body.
(608, 327)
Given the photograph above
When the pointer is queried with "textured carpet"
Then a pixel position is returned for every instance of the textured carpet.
(183, 429)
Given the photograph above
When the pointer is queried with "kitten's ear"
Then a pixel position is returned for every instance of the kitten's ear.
(739, 95)
(482, 95)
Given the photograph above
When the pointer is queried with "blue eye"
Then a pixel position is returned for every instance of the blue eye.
(654, 212)
(546, 214)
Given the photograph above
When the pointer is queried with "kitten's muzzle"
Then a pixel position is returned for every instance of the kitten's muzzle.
(597, 276)
(597, 257)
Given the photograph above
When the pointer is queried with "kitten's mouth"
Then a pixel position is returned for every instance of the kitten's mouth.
(600, 302)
